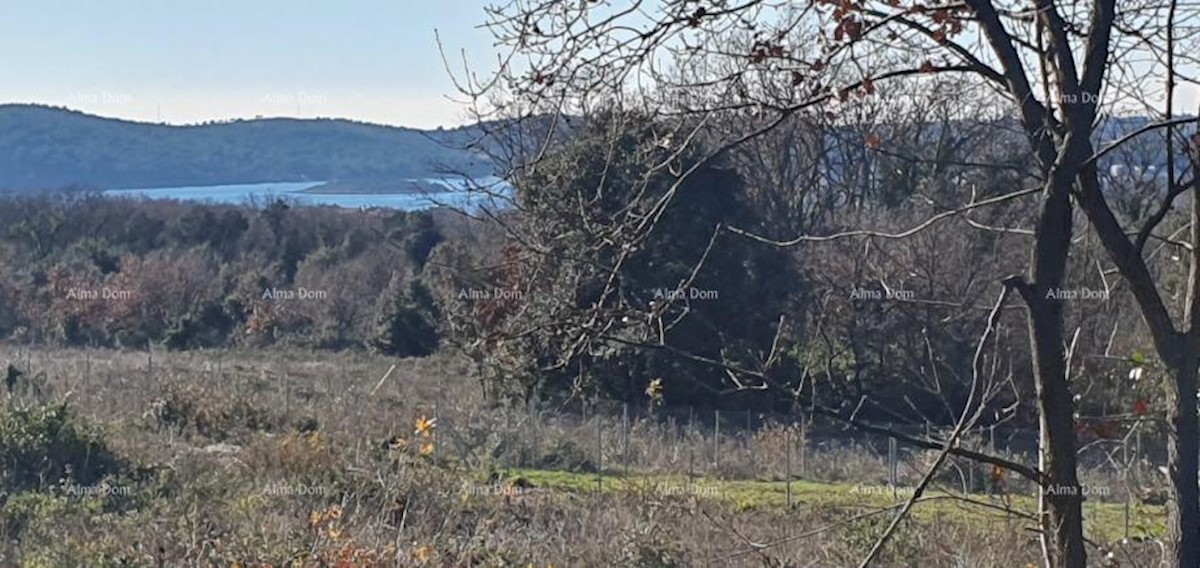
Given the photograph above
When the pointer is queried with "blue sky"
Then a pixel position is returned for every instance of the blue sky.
(189, 61)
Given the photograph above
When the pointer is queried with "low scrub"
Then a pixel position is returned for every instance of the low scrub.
(48, 445)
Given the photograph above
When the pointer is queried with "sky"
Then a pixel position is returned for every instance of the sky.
(189, 61)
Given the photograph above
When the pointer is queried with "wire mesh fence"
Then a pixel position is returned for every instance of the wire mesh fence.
(612, 441)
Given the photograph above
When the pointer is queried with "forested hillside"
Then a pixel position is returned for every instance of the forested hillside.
(48, 148)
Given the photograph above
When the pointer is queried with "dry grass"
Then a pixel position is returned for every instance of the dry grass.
(301, 459)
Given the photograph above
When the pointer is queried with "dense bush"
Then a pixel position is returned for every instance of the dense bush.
(409, 326)
(588, 287)
(47, 445)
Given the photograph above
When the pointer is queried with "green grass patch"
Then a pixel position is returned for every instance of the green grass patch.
(1103, 521)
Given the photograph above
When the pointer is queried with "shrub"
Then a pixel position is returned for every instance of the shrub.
(409, 327)
(46, 445)
(23, 509)
(214, 415)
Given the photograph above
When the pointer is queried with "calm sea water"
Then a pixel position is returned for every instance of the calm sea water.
(453, 195)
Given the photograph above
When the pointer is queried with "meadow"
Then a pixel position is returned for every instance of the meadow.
(295, 458)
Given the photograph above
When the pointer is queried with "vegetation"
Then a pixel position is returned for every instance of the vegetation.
(281, 457)
(771, 87)
(873, 221)
(532, 300)
(92, 271)
(47, 148)
(46, 445)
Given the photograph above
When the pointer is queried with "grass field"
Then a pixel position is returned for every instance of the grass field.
(290, 458)
(1107, 519)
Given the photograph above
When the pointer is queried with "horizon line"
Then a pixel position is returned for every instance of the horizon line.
(227, 120)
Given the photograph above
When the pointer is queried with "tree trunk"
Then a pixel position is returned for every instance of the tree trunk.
(1183, 461)
(1061, 501)
(1183, 446)
(1060, 498)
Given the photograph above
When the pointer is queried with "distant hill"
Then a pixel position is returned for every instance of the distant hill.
(45, 147)
(48, 148)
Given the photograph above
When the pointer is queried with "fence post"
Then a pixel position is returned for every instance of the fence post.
(1125, 475)
(716, 441)
(438, 425)
(358, 416)
(533, 424)
(803, 448)
(149, 363)
(892, 465)
(691, 464)
(625, 434)
(787, 467)
(505, 461)
(970, 480)
(599, 456)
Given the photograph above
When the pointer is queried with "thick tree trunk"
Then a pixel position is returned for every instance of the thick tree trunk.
(1183, 450)
(1183, 462)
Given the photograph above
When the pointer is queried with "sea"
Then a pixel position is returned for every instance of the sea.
(437, 192)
